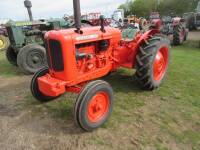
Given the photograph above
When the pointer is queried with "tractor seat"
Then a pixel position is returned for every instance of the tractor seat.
(129, 34)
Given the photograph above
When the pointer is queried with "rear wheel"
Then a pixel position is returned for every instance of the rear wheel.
(35, 89)
(11, 56)
(31, 58)
(4, 43)
(178, 35)
(152, 62)
(94, 105)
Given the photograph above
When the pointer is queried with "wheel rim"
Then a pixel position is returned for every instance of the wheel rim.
(160, 63)
(2, 44)
(98, 107)
(35, 59)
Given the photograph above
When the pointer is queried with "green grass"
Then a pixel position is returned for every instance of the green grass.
(167, 118)
(192, 43)
(6, 69)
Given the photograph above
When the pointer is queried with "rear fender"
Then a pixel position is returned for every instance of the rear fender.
(156, 24)
(146, 36)
(142, 39)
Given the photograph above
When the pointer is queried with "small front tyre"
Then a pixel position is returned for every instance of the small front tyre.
(35, 89)
(94, 105)
(11, 55)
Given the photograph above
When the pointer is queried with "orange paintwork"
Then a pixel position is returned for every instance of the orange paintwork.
(51, 86)
(98, 107)
(98, 63)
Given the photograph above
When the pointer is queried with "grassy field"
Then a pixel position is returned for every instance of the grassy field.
(167, 118)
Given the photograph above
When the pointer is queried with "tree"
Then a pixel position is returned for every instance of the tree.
(143, 8)
(126, 7)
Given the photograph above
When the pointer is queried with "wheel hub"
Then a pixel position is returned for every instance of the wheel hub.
(98, 107)
(160, 64)
(2, 44)
(35, 59)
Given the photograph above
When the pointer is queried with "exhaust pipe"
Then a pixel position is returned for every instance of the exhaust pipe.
(28, 5)
(77, 16)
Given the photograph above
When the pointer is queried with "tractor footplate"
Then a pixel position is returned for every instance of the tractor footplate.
(51, 86)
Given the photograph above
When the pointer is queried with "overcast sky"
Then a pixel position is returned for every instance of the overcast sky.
(14, 9)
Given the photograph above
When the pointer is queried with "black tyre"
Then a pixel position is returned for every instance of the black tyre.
(94, 105)
(186, 35)
(35, 89)
(4, 43)
(152, 62)
(11, 56)
(31, 58)
(178, 35)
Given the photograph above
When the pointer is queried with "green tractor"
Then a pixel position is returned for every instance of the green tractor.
(26, 48)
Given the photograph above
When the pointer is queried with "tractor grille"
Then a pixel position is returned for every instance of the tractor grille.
(54, 55)
(47, 53)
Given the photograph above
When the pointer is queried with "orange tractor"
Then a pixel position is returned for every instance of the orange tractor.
(77, 57)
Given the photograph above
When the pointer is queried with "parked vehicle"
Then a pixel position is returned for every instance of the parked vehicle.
(78, 57)
(193, 19)
(174, 28)
(26, 48)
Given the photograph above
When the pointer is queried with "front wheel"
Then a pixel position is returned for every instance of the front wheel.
(31, 58)
(35, 88)
(152, 62)
(94, 105)
(11, 55)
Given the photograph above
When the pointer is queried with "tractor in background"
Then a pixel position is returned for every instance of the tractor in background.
(134, 20)
(78, 57)
(193, 19)
(129, 21)
(174, 28)
(26, 48)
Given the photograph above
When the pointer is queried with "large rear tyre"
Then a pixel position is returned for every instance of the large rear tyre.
(4, 43)
(31, 58)
(152, 62)
(35, 89)
(178, 35)
(11, 56)
(94, 105)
